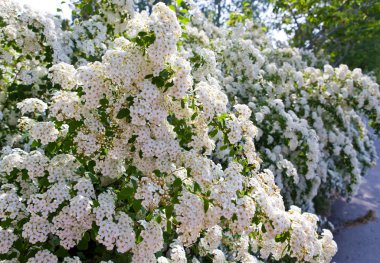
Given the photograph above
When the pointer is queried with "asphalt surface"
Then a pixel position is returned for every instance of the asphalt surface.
(360, 241)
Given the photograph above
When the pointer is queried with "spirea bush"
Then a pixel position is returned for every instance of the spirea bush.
(130, 137)
(312, 123)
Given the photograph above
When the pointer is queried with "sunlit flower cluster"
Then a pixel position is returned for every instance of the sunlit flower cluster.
(311, 123)
(143, 139)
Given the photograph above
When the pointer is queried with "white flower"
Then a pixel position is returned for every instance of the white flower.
(43, 256)
(32, 105)
(7, 237)
(64, 75)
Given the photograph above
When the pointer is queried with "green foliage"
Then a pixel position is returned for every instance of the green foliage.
(144, 39)
(85, 9)
(197, 61)
(182, 129)
(164, 79)
(239, 17)
(346, 31)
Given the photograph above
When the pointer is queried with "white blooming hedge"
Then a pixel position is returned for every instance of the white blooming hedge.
(123, 140)
(312, 123)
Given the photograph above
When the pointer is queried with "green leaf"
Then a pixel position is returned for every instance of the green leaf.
(282, 237)
(197, 188)
(123, 258)
(74, 125)
(183, 19)
(94, 233)
(172, 7)
(123, 113)
(149, 216)
(144, 39)
(234, 217)
(137, 205)
(18, 244)
(213, 133)
(43, 182)
(158, 219)
(169, 211)
(61, 252)
(35, 144)
(195, 114)
(83, 243)
(158, 173)
(263, 229)
(165, 73)
(177, 183)
(51, 147)
(206, 204)
(6, 223)
(222, 117)
(168, 85)
(158, 81)
(103, 102)
(169, 226)
(125, 193)
(22, 222)
(67, 144)
(132, 139)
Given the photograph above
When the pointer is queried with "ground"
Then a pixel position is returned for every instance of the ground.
(358, 222)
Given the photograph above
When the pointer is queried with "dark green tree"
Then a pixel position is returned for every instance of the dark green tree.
(347, 31)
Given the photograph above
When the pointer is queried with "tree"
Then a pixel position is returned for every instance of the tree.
(346, 31)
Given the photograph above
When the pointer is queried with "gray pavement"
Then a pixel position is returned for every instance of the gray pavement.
(360, 242)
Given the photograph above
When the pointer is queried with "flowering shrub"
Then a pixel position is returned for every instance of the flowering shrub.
(27, 43)
(31, 43)
(312, 131)
(129, 146)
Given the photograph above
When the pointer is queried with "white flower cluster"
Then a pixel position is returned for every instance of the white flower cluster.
(166, 36)
(24, 27)
(311, 130)
(29, 44)
(7, 237)
(152, 243)
(213, 100)
(64, 75)
(73, 221)
(43, 256)
(110, 233)
(65, 105)
(10, 203)
(32, 105)
(31, 41)
(45, 132)
(36, 229)
(125, 158)
(149, 192)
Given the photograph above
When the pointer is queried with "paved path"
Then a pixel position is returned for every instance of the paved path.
(359, 243)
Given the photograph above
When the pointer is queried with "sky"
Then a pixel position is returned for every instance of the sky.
(49, 6)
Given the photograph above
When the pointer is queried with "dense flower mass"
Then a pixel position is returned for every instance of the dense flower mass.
(132, 137)
(312, 123)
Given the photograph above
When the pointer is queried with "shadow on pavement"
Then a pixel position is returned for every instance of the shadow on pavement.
(359, 242)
